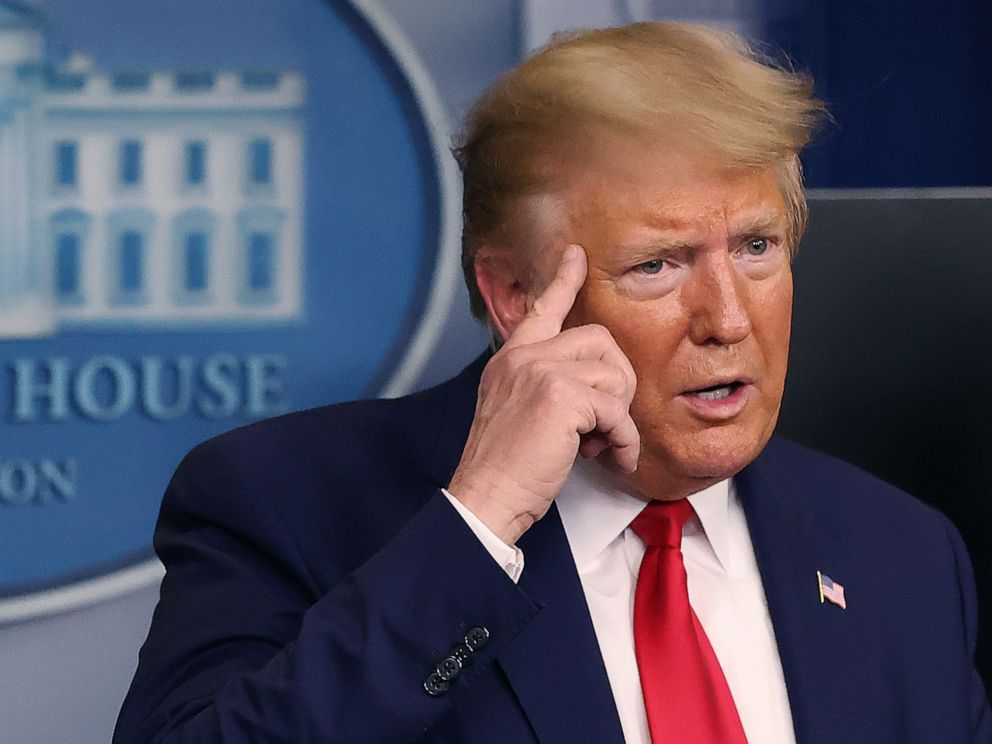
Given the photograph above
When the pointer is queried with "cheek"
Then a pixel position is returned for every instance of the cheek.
(649, 333)
(650, 339)
(775, 329)
(781, 307)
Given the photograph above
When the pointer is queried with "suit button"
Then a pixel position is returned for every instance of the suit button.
(436, 685)
(448, 668)
(476, 638)
(462, 653)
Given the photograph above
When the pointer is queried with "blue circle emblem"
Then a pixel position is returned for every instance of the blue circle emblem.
(211, 213)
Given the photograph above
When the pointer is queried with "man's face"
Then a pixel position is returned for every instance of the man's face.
(689, 270)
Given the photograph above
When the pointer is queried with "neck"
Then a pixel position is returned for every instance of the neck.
(654, 482)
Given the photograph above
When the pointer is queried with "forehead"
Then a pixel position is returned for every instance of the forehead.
(674, 190)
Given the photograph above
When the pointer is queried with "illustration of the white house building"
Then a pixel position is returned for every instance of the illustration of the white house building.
(152, 198)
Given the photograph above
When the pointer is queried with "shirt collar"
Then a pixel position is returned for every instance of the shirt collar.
(712, 506)
(595, 509)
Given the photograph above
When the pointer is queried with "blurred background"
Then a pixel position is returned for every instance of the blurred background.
(338, 225)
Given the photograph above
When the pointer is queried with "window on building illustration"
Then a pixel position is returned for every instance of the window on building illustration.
(27, 72)
(131, 265)
(256, 80)
(192, 239)
(130, 81)
(66, 164)
(261, 262)
(130, 165)
(196, 163)
(60, 81)
(68, 265)
(195, 262)
(260, 162)
(68, 229)
(194, 81)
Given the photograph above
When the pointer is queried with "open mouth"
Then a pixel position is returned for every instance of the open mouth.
(717, 392)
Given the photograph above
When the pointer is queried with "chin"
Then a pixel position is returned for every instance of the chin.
(720, 452)
(701, 458)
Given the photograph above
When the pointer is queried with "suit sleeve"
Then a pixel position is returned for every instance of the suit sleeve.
(242, 648)
(978, 702)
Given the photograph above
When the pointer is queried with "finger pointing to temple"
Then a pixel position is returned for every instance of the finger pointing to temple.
(545, 318)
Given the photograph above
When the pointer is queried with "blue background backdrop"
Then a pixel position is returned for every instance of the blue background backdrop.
(908, 82)
(371, 224)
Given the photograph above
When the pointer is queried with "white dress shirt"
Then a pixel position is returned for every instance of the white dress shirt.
(725, 592)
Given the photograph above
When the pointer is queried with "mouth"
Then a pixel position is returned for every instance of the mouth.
(718, 391)
(721, 400)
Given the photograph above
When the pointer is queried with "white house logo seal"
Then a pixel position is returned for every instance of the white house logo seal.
(210, 213)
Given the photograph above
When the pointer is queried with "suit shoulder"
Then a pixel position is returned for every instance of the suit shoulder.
(349, 447)
(862, 524)
(839, 486)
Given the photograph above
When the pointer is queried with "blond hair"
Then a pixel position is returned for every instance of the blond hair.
(663, 82)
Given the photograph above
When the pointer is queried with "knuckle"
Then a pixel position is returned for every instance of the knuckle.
(571, 335)
(630, 372)
(629, 381)
(619, 377)
(556, 388)
(541, 369)
(533, 375)
(616, 409)
(600, 333)
(587, 419)
(511, 360)
(490, 374)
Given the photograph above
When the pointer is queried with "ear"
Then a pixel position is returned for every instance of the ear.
(502, 288)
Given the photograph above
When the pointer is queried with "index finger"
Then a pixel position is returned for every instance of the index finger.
(545, 318)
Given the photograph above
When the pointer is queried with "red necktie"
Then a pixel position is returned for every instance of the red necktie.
(685, 692)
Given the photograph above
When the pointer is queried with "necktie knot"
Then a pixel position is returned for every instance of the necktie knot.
(660, 523)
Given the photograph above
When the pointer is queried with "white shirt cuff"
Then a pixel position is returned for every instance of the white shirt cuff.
(509, 557)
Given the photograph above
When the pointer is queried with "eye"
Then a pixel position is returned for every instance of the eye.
(756, 246)
(651, 267)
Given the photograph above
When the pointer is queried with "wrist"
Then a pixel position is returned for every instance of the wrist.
(492, 506)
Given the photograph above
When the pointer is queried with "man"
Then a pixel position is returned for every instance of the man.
(356, 574)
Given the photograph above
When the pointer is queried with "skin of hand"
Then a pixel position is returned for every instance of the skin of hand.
(545, 396)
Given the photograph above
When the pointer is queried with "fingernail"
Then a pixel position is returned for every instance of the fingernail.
(570, 253)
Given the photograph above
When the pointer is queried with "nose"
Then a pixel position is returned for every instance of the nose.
(715, 297)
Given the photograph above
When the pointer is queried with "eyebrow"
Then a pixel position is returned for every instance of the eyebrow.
(660, 248)
(654, 249)
(761, 223)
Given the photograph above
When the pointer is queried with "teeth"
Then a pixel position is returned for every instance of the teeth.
(717, 394)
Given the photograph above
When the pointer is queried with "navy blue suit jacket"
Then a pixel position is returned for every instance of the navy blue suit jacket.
(316, 574)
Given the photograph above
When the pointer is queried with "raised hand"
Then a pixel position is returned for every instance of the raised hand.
(544, 396)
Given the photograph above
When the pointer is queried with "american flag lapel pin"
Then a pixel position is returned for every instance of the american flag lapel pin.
(830, 590)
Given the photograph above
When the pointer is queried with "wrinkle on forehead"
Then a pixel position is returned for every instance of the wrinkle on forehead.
(678, 206)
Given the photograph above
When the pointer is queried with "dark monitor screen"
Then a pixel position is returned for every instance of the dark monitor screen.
(892, 352)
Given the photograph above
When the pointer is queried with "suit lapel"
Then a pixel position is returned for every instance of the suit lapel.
(554, 664)
(813, 638)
